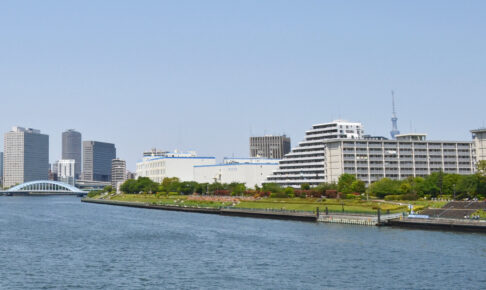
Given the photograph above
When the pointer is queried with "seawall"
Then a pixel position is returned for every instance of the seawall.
(297, 216)
(439, 224)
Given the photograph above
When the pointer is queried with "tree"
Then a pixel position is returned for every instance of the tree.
(450, 183)
(271, 187)
(237, 188)
(305, 186)
(432, 184)
(344, 183)
(108, 188)
(129, 186)
(468, 186)
(358, 186)
(187, 187)
(215, 186)
(145, 184)
(481, 167)
(384, 187)
(289, 191)
(321, 188)
(170, 184)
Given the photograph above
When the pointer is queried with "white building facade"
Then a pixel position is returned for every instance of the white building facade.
(319, 159)
(410, 155)
(250, 171)
(479, 144)
(171, 164)
(305, 163)
(66, 171)
(118, 173)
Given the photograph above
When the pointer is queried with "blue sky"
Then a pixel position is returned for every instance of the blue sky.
(205, 75)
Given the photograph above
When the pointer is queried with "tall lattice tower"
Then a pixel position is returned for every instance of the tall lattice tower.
(394, 119)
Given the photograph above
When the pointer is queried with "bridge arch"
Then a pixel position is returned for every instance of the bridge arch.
(45, 186)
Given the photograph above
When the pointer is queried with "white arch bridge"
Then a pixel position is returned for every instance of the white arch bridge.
(44, 187)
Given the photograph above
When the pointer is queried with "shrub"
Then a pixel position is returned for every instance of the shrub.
(352, 196)
(279, 195)
(408, 196)
(393, 197)
(331, 193)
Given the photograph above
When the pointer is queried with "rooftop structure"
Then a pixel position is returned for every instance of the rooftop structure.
(411, 137)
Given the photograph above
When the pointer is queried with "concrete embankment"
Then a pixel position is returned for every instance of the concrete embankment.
(298, 216)
(439, 224)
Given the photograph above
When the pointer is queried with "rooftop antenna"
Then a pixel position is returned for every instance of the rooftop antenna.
(394, 118)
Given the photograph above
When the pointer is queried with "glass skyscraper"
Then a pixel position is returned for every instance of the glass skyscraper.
(97, 157)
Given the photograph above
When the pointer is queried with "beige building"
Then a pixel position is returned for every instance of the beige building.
(479, 144)
(26, 156)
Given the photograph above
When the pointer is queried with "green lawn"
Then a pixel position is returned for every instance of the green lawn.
(299, 204)
(311, 205)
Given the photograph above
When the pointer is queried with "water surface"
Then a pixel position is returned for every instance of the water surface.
(59, 243)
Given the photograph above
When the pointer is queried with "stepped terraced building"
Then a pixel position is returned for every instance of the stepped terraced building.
(305, 163)
(326, 154)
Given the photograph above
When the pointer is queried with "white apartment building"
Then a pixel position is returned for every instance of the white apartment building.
(479, 144)
(66, 170)
(250, 171)
(408, 155)
(305, 163)
(171, 164)
(322, 159)
(118, 173)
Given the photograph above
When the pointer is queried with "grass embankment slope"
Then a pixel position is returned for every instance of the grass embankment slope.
(298, 204)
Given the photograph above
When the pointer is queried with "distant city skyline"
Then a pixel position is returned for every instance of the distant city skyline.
(207, 76)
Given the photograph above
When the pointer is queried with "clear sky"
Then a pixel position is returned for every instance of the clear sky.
(205, 75)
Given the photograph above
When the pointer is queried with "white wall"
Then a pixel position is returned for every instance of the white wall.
(250, 174)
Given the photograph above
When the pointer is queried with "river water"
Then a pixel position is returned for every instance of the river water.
(61, 243)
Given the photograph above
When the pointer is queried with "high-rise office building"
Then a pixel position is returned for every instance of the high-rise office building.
(66, 169)
(26, 156)
(118, 173)
(97, 157)
(273, 147)
(71, 149)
